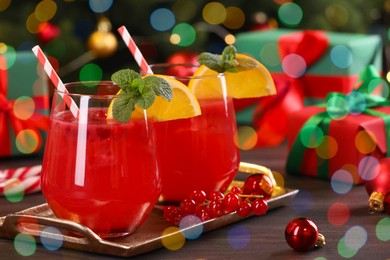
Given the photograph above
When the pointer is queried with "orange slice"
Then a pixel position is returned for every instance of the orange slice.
(183, 104)
(251, 83)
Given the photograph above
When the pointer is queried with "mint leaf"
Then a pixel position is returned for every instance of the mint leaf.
(122, 108)
(227, 61)
(212, 61)
(160, 86)
(147, 97)
(137, 91)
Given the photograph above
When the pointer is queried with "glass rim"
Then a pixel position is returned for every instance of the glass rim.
(90, 84)
(189, 77)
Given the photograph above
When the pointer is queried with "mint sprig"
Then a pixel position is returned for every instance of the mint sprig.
(137, 91)
(227, 62)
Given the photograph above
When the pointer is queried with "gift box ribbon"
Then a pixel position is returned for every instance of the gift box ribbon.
(36, 122)
(358, 101)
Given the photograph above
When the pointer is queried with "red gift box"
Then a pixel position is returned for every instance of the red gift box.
(320, 144)
(24, 105)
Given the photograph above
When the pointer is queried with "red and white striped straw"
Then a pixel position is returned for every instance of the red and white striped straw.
(55, 79)
(25, 179)
(130, 43)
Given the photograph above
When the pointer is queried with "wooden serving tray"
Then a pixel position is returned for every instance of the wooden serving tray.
(146, 238)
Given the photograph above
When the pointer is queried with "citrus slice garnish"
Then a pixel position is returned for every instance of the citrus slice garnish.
(183, 104)
(256, 82)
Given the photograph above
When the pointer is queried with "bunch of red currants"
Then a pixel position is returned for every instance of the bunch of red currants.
(251, 198)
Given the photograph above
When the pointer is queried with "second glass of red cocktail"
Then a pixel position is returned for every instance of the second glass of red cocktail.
(198, 153)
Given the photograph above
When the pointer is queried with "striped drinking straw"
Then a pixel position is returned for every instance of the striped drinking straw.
(130, 43)
(55, 79)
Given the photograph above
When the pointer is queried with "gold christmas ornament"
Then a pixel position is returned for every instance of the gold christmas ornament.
(102, 42)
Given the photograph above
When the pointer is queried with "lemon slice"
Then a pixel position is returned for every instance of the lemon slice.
(183, 104)
(250, 83)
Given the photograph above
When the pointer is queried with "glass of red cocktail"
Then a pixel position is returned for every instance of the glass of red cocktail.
(198, 153)
(96, 171)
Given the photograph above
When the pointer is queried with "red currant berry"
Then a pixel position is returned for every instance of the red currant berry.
(244, 209)
(199, 196)
(215, 196)
(236, 190)
(188, 206)
(258, 184)
(231, 202)
(203, 213)
(259, 207)
(173, 214)
(216, 208)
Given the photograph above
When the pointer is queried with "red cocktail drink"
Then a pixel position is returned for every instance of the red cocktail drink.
(100, 173)
(199, 152)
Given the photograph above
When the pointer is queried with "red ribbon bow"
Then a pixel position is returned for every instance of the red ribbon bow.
(270, 115)
(7, 116)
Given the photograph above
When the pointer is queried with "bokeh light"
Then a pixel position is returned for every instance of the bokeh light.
(235, 17)
(14, 190)
(51, 238)
(27, 141)
(191, 227)
(56, 49)
(341, 181)
(186, 33)
(214, 13)
(100, 6)
(328, 148)
(91, 72)
(311, 135)
(162, 19)
(45, 10)
(294, 65)
(10, 55)
(345, 251)
(368, 168)
(32, 24)
(365, 141)
(267, 55)
(23, 107)
(184, 10)
(303, 201)
(356, 102)
(338, 214)
(341, 56)
(382, 229)
(337, 14)
(355, 237)
(4, 4)
(247, 137)
(172, 238)
(25, 244)
(290, 14)
(337, 108)
(239, 237)
(230, 39)
(378, 86)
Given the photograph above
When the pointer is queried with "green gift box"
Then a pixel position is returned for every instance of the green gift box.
(343, 138)
(24, 104)
(305, 66)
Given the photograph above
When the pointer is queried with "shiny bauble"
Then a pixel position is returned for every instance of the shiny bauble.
(102, 43)
(302, 235)
(378, 187)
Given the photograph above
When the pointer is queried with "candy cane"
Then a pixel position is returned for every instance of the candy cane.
(130, 43)
(55, 79)
(23, 179)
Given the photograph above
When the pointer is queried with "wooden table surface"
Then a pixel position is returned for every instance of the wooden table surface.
(257, 237)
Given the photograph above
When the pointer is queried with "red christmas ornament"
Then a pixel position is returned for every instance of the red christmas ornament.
(378, 187)
(302, 235)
